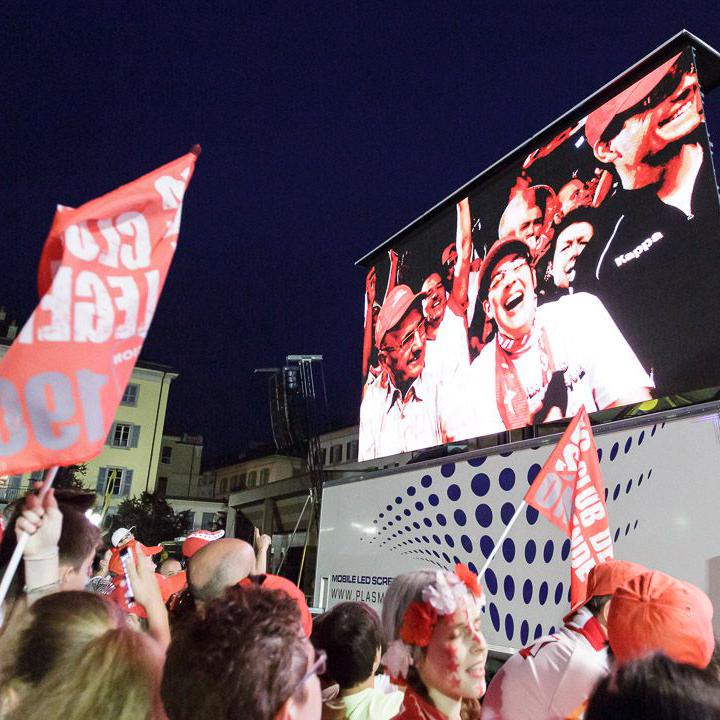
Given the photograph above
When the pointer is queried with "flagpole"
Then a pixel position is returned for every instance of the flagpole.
(23, 539)
(521, 507)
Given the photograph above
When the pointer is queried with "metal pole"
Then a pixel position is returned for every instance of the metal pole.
(297, 524)
(521, 507)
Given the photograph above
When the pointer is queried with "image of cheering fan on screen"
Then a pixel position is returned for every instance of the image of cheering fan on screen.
(657, 235)
(542, 363)
(398, 411)
(446, 323)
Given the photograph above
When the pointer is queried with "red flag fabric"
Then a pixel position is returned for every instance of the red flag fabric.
(102, 269)
(569, 492)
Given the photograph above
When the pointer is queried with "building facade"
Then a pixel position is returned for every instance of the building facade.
(180, 463)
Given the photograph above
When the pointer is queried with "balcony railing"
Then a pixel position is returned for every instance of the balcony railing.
(8, 494)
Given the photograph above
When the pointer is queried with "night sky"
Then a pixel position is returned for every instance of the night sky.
(325, 129)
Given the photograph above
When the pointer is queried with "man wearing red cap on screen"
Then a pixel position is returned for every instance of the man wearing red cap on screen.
(655, 237)
(542, 363)
(398, 412)
(550, 678)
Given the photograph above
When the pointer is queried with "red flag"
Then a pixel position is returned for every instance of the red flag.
(101, 273)
(569, 492)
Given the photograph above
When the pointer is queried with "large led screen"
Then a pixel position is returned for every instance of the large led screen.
(581, 274)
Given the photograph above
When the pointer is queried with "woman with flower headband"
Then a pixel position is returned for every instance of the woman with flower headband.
(431, 620)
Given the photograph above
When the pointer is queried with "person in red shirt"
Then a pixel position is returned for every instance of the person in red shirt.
(431, 620)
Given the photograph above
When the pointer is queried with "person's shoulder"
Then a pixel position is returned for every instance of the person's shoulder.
(577, 306)
(485, 358)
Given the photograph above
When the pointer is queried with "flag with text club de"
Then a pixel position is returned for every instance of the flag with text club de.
(101, 272)
(569, 492)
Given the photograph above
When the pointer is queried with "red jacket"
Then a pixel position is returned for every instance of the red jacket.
(416, 708)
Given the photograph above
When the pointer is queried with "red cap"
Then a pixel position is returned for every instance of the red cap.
(276, 582)
(397, 302)
(599, 119)
(195, 540)
(149, 550)
(499, 250)
(654, 612)
(171, 584)
(606, 578)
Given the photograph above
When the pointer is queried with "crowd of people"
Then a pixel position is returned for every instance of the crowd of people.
(89, 633)
(579, 294)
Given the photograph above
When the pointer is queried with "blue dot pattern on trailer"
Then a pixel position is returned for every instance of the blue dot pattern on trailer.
(538, 632)
(447, 470)
(494, 616)
(530, 551)
(460, 528)
(477, 462)
(507, 479)
(524, 632)
(486, 545)
(532, 472)
(483, 515)
(480, 485)
(509, 587)
(548, 551)
(565, 552)
(509, 626)
(491, 582)
(508, 549)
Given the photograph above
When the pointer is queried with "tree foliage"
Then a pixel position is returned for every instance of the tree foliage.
(153, 518)
(70, 477)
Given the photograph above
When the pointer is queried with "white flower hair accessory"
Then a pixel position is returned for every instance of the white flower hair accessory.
(445, 593)
(397, 659)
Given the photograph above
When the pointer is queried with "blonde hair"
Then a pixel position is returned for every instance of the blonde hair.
(78, 660)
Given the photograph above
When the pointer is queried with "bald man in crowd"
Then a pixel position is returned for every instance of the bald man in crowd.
(218, 566)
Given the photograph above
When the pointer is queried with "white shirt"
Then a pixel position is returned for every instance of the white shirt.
(549, 679)
(390, 424)
(598, 367)
(448, 352)
(372, 704)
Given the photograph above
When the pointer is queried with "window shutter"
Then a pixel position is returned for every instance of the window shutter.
(134, 435)
(126, 483)
(109, 439)
(102, 479)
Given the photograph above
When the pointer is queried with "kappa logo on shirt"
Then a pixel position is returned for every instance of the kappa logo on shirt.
(643, 247)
